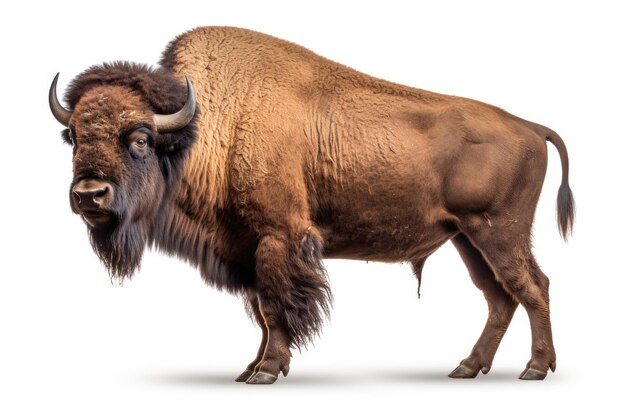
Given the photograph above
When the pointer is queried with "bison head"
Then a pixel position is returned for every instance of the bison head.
(130, 127)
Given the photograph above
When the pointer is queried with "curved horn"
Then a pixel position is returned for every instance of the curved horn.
(166, 123)
(60, 113)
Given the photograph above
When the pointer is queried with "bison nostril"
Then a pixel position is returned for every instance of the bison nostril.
(99, 194)
(77, 198)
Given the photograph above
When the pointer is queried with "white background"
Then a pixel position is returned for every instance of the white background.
(165, 344)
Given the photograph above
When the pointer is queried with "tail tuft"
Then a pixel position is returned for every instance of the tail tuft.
(566, 209)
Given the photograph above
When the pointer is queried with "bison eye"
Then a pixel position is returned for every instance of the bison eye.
(138, 141)
(139, 147)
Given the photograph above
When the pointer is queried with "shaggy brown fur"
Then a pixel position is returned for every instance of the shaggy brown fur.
(292, 158)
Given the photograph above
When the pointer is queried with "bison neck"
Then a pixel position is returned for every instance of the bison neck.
(196, 224)
(180, 233)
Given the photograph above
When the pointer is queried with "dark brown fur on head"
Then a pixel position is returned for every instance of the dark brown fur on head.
(109, 103)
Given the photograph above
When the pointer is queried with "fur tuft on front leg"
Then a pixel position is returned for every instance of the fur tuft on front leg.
(293, 285)
(310, 302)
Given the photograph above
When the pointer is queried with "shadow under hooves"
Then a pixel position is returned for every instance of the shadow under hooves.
(328, 379)
(441, 376)
(193, 379)
(399, 377)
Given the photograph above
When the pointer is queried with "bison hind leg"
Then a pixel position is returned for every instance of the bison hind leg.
(501, 309)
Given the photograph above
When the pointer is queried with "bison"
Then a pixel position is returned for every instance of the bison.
(253, 159)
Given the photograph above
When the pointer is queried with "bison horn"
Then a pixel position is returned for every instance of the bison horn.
(60, 113)
(166, 123)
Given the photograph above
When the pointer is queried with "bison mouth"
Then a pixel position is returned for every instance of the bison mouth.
(98, 218)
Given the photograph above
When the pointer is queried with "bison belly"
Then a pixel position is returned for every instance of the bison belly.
(384, 210)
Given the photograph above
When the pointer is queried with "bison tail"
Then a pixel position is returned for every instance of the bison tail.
(565, 205)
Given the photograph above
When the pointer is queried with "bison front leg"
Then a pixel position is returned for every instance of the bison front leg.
(293, 296)
(276, 356)
(254, 310)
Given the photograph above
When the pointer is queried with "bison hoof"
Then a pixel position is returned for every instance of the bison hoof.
(261, 378)
(531, 374)
(245, 375)
(463, 372)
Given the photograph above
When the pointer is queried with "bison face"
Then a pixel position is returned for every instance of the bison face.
(122, 168)
(117, 179)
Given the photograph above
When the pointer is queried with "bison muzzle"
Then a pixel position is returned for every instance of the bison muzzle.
(281, 158)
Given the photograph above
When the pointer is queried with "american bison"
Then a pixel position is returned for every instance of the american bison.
(253, 159)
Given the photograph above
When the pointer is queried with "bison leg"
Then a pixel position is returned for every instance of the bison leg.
(508, 250)
(253, 304)
(293, 296)
(276, 356)
(501, 309)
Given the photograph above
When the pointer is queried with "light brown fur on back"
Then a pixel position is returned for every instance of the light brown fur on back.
(273, 110)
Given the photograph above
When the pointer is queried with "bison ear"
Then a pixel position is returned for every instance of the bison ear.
(172, 149)
(65, 135)
(175, 143)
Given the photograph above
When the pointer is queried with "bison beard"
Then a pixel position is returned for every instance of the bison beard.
(121, 243)
(120, 247)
